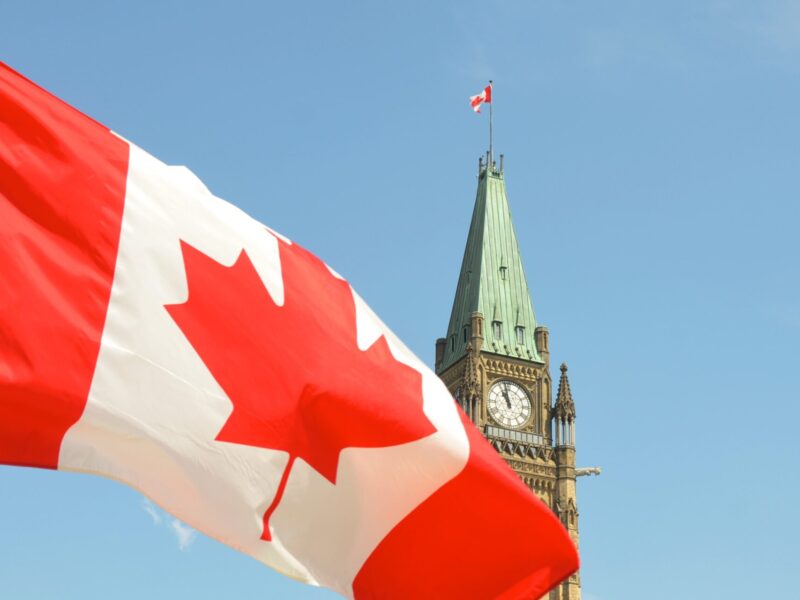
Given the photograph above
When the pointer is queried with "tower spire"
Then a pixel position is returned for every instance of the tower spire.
(492, 282)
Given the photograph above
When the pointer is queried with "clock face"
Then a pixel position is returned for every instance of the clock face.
(509, 405)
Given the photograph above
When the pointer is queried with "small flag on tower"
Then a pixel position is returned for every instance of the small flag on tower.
(485, 96)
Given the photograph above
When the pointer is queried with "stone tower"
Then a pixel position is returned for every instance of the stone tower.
(495, 361)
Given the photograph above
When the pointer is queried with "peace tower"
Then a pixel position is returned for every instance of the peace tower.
(495, 361)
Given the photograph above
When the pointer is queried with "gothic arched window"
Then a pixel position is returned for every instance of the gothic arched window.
(497, 330)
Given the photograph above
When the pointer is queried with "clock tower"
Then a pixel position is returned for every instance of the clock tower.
(495, 361)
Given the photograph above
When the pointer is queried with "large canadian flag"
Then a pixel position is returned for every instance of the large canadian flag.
(157, 335)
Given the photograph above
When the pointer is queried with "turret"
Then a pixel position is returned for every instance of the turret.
(542, 339)
(476, 327)
(564, 412)
(471, 384)
(566, 491)
(440, 345)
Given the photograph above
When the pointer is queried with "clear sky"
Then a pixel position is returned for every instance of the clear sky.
(652, 164)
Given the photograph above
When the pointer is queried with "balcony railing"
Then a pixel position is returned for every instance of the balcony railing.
(514, 436)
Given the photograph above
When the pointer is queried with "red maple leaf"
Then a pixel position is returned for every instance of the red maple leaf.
(294, 373)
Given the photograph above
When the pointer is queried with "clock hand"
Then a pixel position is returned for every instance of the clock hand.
(505, 395)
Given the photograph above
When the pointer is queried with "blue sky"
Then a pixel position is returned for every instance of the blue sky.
(652, 153)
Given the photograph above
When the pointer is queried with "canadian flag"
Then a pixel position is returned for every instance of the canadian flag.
(157, 335)
(484, 97)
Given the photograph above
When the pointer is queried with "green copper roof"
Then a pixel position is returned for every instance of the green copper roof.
(492, 281)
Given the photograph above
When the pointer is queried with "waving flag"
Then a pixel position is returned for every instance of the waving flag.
(485, 97)
(157, 335)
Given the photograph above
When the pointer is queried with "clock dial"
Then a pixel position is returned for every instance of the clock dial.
(509, 404)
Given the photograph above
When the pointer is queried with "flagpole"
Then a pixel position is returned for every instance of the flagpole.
(491, 103)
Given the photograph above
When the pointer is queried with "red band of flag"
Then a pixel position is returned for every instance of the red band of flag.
(62, 189)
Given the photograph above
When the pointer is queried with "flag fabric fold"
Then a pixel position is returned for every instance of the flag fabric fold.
(152, 333)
